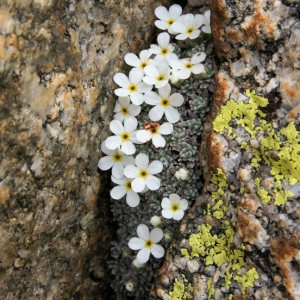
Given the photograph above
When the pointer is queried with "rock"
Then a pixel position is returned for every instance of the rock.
(57, 60)
(252, 211)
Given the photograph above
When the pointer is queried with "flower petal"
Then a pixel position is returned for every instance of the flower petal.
(157, 251)
(118, 192)
(197, 69)
(156, 113)
(142, 161)
(128, 148)
(116, 127)
(132, 60)
(136, 243)
(118, 170)
(143, 231)
(152, 182)
(137, 98)
(176, 99)
(131, 171)
(158, 141)
(121, 80)
(165, 91)
(132, 199)
(152, 98)
(155, 167)
(143, 255)
(136, 75)
(122, 92)
(156, 235)
(161, 12)
(138, 185)
(168, 214)
(163, 39)
(172, 114)
(178, 215)
(143, 136)
(130, 124)
(113, 142)
(165, 203)
(166, 128)
(175, 10)
(105, 163)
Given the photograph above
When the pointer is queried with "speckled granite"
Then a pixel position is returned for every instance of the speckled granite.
(57, 59)
(257, 48)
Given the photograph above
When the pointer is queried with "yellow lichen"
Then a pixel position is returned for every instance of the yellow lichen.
(277, 149)
(181, 290)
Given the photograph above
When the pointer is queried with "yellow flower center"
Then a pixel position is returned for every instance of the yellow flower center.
(143, 173)
(132, 88)
(164, 51)
(160, 77)
(170, 22)
(117, 157)
(190, 30)
(148, 243)
(174, 207)
(124, 110)
(188, 65)
(165, 102)
(125, 137)
(128, 185)
(154, 130)
(143, 64)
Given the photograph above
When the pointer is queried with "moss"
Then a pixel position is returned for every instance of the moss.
(181, 290)
(277, 149)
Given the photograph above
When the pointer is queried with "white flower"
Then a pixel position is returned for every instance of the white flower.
(124, 188)
(182, 174)
(142, 173)
(124, 135)
(132, 86)
(154, 131)
(188, 26)
(163, 104)
(164, 49)
(130, 286)
(139, 62)
(184, 67)
(157, 75)
(167, 17)
(115, 159)
(155, 221)
(124, 109)
(147, 243)
(206, 22)
(173, 207)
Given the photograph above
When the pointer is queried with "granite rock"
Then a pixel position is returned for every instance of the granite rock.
(57, 60)
(257, 49)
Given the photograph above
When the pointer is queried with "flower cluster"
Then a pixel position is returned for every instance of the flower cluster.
(149, 83)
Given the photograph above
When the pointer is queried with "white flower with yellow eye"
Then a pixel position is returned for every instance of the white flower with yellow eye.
(154, 131)
(142, 173)
(124, 135)
(173, 207)
(164, 50)
(186, 66)
(124, 109)
(132, 86)
(124, 188)
(146, 243)
(139, 62)
(188, 26)
(157, 75)
(167, 17)
(115, 160)
(164, 103)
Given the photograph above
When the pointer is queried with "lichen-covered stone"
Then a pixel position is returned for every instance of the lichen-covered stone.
(57, 60)
(255, 45)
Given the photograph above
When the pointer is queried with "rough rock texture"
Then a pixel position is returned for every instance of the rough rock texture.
(57, 60)
(257, 48)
